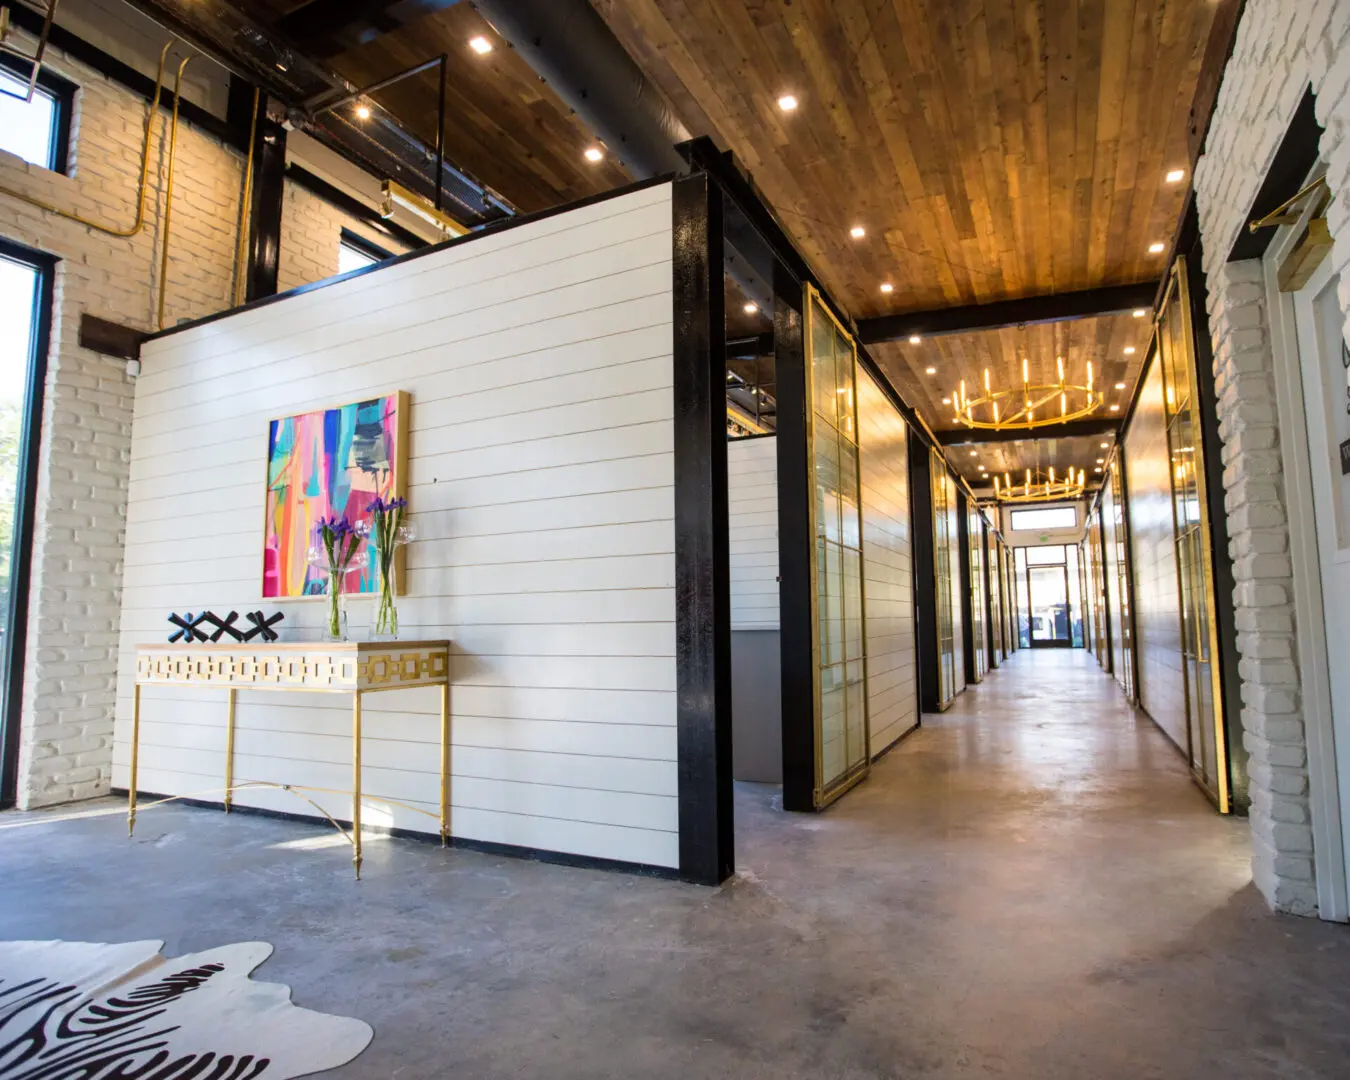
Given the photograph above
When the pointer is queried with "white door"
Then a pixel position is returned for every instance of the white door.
(1324, 363)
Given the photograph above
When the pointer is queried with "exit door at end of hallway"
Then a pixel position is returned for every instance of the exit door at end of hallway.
(1047, 580)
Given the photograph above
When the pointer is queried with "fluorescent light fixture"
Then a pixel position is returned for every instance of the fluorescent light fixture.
(481, 45)
(594, 154)
(1174, 176)
(787, 103)
(857, 232)
(1156, 248)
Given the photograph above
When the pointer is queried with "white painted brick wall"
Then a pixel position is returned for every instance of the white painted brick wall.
(1281, 47)
(311, 232)
(69, 675)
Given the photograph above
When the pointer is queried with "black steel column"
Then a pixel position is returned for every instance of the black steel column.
(925, 579)
(702, 588)
(269, 183)
(796, 599)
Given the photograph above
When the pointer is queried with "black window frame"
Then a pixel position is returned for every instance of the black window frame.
(14, 650)
(366, 247)
(62, 92)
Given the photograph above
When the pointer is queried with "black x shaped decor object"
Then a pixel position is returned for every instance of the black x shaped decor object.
(262, 625)
(224, 626)
(188, 627)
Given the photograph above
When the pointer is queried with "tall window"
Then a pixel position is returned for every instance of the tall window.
(355, 252)
(35, 128)
(25, 313)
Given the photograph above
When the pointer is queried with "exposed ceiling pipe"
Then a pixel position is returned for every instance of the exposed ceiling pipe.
(572, 49)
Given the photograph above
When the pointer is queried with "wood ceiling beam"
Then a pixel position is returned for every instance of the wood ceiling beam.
(325, 28)
(1057, 307)
(1072, 430)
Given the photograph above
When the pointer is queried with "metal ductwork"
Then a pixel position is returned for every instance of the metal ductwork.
(570, 47)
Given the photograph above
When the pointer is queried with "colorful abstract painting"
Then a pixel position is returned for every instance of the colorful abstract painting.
(331, 461)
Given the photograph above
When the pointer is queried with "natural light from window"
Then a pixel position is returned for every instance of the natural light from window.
(353, 258)
(1049, 517)
(26, 126)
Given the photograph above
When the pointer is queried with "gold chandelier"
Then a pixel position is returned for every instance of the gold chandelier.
(1038, 488)
(1031, 406)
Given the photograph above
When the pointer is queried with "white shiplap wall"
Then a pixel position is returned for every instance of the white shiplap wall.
(752, 518)
(541, 477)
(888, 566)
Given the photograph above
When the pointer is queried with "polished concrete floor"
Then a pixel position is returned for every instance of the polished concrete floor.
(1027, 887)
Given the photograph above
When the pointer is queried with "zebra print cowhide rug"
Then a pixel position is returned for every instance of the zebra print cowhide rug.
(74, 1010)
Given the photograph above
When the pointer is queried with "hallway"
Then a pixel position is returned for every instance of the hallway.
(1029, 886)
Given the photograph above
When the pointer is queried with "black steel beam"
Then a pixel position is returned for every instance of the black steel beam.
(1072, 430)
(1027, 311)
(328, 27)
(269, 186)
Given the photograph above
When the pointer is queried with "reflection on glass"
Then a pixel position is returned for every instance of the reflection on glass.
(1049, 589)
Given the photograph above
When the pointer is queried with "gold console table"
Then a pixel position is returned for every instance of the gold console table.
(356, 668)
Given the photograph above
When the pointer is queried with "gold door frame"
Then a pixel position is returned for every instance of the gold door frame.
(1178, 292)
(812, 299)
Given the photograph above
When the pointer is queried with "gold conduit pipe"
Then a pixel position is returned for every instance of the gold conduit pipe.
(168, 195)
(139, 223)
(245, 208)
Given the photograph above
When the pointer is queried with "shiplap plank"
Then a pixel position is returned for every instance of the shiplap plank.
(752, 519)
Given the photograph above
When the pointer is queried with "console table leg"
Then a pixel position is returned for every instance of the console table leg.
(445, 762)
(135, 755)
(229, 752)
(356, 784)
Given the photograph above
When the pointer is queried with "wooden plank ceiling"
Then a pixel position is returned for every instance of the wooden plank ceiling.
(989, 149)
(1015, 457)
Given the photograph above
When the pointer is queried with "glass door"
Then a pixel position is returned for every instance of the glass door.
(25, 308)
(1049, 607)
(841, 680)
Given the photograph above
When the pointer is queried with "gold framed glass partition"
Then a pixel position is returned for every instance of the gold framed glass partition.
(975, 536)
(1208, 750)
(842, 727)
(944, 539)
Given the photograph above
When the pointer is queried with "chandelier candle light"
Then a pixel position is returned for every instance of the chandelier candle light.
(334, 550)
(1037, 489)
(1033, 406)
(387, 529)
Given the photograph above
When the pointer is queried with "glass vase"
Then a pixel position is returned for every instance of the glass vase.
(335, 625)
(385, 625)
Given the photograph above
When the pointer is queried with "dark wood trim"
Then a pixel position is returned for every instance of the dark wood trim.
(468, 238)
(1297, 153)
(110, 338)
(1072, 430)
(353, 207)
(702, 577)
(1218, 50)
(15, 647)
(796, 599)
(461, 843)
(115, 70)
(1026, 311)
(925, 579)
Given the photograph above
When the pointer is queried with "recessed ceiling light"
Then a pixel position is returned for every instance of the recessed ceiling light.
(1129, 350)
(1174, 175)
(931, 370)
(1119, 386)
(787, 102)
(751, 308)
(886, 286)
(1139, 313)
(481, 45)
(1115, 408)
(594, 154)
(363, 112)
(1106, 446)
(1097, 469)
(974, 453)
(946, 401)
(1156, 248)
(914, 339)
(1101, 461)
(857, 232)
